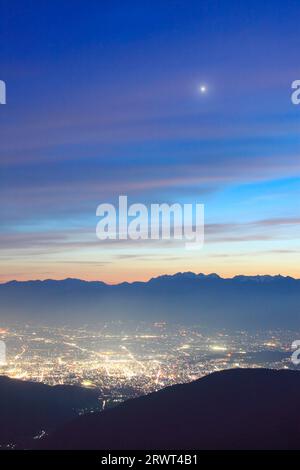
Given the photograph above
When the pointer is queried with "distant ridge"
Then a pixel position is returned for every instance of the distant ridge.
(234, 409)
(178, 275)
(208, 300)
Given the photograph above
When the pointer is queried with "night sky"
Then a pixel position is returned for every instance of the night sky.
(103, 99)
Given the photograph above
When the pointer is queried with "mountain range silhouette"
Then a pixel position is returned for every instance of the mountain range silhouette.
(248, 302)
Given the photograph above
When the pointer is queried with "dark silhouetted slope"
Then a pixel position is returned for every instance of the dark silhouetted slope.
(27, 408)
(234, 409)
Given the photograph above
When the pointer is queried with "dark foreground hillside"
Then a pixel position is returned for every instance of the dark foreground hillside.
(234, 409)
(28, 408)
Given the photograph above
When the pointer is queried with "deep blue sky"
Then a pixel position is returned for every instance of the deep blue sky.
(102, 100)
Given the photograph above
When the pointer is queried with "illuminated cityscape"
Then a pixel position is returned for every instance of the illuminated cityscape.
(125, 361)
